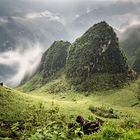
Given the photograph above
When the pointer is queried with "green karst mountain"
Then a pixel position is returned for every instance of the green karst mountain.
(95, 60)
(53, 61)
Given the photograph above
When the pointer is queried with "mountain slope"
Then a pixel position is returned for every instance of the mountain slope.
(95, 60)
(52, 62)
(54, 59)
(13, 104)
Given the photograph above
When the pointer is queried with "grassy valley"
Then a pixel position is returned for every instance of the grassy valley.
(59, 93)
(45, 105)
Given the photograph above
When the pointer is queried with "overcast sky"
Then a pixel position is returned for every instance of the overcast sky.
(118, 12)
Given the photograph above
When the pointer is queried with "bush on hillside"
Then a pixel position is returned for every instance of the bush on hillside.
(104, 112)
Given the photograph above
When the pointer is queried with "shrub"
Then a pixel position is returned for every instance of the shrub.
(103, 112)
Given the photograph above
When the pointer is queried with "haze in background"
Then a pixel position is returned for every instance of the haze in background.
(28, 27)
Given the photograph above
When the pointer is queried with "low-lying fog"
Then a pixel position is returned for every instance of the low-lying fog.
(21, 62)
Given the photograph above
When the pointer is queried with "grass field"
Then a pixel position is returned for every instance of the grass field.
(72, 102)
(16, 105)
(78, 103)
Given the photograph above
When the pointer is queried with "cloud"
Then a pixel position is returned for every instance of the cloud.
(24, 61)
(77, 16)
(3, 20)
(35, 15)
(46, 14)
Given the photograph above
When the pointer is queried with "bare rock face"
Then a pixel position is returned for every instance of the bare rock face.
(96, 61)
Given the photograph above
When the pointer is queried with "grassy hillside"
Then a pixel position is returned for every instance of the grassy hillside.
(61, 105)
(59, 93)
(13, 104)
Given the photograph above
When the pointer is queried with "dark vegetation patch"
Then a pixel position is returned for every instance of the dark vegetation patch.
(43, 124)
(104, 112)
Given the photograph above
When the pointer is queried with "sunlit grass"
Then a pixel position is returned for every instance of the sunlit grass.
(15, 103)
